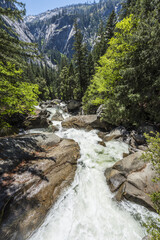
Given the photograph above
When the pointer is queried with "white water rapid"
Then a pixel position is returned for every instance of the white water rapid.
(86, 210)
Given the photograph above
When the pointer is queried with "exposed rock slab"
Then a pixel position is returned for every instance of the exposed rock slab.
(84, 121)
(132, 179)
(33, 184)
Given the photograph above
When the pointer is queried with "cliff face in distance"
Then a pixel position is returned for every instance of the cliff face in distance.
(54, 29)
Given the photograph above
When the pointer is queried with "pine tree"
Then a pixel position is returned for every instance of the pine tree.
(90, 67)
(12, 49)
(110, 27)
(100, 46)
(16, 95)
(104, 35)
(80, 61)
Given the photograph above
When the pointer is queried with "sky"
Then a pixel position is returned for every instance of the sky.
(34, 7)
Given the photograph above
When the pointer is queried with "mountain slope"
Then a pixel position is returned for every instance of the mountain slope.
(54, 29)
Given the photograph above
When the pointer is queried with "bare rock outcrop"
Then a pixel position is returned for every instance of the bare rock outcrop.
(39, 168)
(131, 178)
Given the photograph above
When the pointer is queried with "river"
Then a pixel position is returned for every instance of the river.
(87, 209)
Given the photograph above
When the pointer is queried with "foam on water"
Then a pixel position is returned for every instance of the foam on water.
(86, 210)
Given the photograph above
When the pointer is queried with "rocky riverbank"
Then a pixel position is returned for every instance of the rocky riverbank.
(34, 170)
(131, 178)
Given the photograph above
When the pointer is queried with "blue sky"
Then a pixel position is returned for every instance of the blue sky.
(34, 7)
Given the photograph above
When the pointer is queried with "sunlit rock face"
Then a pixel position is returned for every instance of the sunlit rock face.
(34, 169)
(132, 178)
(54, 29)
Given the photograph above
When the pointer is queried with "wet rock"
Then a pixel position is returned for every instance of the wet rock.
(114, 179)
(54, 128)
(31, 187)
(132, 179)
(84, 121)
(102, 143)
(101, 135)
(116, 133)
(45, 140)
(57, 116)
(133, 143)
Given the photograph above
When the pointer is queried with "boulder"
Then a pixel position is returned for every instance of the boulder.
(57, 116)
(132, 178)
(116, 133)
(33, 185)
(84, 121)
(130, 164)
(73, 105)
(101, 135)
(102, 143)
(115, 179)
(138, 138)
(53, 128)
(40, 120)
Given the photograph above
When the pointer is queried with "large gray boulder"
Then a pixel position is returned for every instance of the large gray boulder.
(44, 167)
(132, 179)
(84, 121)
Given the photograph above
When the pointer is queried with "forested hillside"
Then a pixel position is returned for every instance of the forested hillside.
(127, 80)
(17, 94)
(118, 66)
(84, 20)
(54, 29)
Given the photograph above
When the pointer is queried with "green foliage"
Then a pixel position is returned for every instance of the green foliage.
(104, 83)
(104, 35)
(153, 153)
(80, 57)
(16, 95)
(127, 79)
(43, 89)
(153, 156)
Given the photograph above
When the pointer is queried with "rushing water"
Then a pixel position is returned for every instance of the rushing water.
(86, 210)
